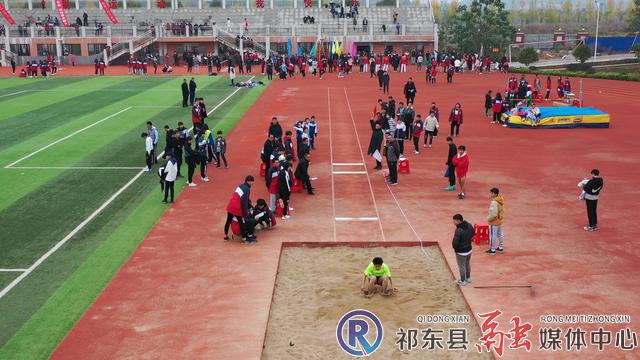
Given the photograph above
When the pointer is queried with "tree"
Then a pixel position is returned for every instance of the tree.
(611, 10)
(437, 7)
(633, 16)
(636, 49)
(528, 55)
(567, 11)
(582, 53)
(591, 11)
(483, 25)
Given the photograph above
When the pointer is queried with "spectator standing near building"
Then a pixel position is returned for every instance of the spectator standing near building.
(462, 247)
(495, 220)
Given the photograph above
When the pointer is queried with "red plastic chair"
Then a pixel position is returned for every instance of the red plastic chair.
(403, 166)
(297, 186)
(482, 233)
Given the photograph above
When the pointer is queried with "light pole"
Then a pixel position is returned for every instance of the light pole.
(595, 49)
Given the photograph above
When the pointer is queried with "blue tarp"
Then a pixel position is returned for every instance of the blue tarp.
(567, 111)
(613, 43)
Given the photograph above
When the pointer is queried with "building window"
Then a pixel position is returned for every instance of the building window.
(96, 48)
(46, 49)
(20, 49)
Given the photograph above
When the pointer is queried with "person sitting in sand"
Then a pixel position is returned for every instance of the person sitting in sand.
(377, 273)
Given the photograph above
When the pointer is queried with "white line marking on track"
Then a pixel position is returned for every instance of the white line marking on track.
(68, 136)
(57, 246)
(15, 93)
(356, 219)
(355, 130)
(348, 164)
(349, 172)
(333, 187)
(13, 270)
(75, 168)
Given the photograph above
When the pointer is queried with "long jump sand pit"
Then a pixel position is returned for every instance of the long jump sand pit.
(316, 286)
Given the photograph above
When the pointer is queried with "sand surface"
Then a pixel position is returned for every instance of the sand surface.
(316, 286)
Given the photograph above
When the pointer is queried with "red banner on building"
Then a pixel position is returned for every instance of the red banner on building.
(107, 10)
(6, 14)
(61, 12)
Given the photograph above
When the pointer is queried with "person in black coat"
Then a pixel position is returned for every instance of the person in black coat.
(451, 170)
(304, 148)
(302, 173)
(191, 157)
(285, 182)
(192, 91)
(592, 190)
(267, 150)
(185, 93)
(461, 244)
(385, 82)
(410, 91)
(275, 129)
(375, 144)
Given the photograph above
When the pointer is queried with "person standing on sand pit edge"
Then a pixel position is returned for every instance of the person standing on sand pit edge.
(495, 219)
(392, 153)
(185, 93)
(238, 208)
(461, 244)
(591, 192)
(377, 273)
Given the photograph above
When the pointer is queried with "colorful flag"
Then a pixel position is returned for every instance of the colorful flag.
(62, 13)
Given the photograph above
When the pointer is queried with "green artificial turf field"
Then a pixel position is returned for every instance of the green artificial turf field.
(70, 145)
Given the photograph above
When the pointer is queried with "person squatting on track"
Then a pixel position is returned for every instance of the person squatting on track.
(238, 210)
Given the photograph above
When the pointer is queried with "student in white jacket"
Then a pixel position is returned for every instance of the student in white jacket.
(171, 171)
(431, 126)
(148, 143)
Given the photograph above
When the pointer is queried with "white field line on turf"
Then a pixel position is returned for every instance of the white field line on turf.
(373, 196)
(349, 172)
(356, 219)
(57, 246)
(15, 93)
(228, 97)
(75, 168)
(13, 270)
(333, 187)
(67, 137)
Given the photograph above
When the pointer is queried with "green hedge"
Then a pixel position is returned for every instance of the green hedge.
(584, 74)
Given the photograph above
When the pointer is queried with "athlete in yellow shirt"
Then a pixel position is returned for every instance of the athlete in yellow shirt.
(377, 273)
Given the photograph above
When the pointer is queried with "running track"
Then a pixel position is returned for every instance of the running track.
(187, 294)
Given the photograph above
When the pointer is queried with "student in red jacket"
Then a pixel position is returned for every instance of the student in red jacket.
(418, 126)
(272, 183)
(238, 208)
(461, 163)
(456, 118)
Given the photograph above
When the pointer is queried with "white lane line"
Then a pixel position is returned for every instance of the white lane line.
(15, 93)
(373, 196)
(75, 168)
(228, 97)
(356, 219)
(60, 243)
(13, 270)
(349, 172)
(67, 137)
(333, 186)
(57, 246)
(348, 164)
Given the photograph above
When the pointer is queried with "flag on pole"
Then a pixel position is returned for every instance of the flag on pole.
(289, 48)
(314, 49)
(6, 15)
